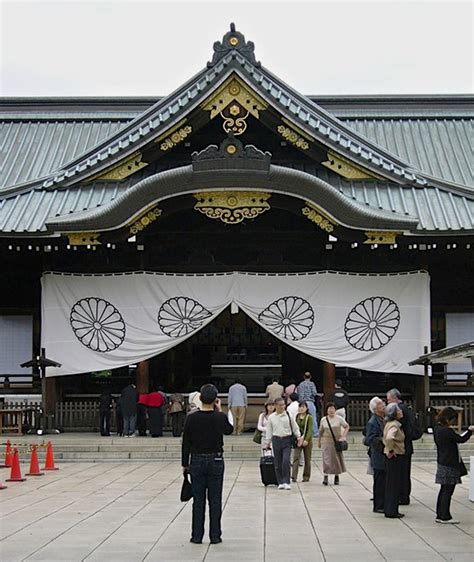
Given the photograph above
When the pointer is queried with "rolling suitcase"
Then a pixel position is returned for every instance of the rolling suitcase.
(267, 470)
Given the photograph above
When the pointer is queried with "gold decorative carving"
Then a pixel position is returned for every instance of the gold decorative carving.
(381, 237)
(176, 137)
(232, 207)
(233, 41)
(144, 220)
(347, 169)
(234, 101)
(318, 217)
(126, 168)
(293, 137)
(84, 238)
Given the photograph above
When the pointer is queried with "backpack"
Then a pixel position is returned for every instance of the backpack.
(417, 428)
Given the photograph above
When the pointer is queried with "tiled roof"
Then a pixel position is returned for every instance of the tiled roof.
(326, 128)
(439, 147)
(437, 210)
(28, 211)
(422, 152)
(33, 149)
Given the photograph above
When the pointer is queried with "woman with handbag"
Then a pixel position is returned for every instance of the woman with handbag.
(265, 443)
(394, 449)
(374, 440)
(450, 465)
(332, 435)
(305, 422)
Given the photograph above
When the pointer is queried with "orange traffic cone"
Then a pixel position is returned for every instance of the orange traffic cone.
(34, 464)
(15, 475)
(49, 463)
(8, 456)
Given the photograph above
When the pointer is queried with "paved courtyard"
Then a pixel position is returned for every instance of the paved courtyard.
(131, 512)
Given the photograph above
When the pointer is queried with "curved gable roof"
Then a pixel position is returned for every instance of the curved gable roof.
(236, 56)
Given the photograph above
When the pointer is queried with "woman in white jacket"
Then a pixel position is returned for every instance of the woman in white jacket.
(262, 424)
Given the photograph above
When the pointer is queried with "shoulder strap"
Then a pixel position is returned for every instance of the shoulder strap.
(289, 420)
(330, 428)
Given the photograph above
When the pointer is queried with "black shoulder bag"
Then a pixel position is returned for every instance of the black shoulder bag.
(338, 445)
(294, 440)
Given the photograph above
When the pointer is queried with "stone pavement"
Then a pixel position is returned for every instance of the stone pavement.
(131, 512)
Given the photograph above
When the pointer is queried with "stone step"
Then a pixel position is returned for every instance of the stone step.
(93, 448)
(82, 456)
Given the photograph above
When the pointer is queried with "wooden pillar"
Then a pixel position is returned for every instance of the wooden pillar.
(423, 389)
(329, 379)
(143, 377)
(48, 395)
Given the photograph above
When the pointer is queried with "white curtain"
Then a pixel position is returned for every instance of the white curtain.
(375, 322)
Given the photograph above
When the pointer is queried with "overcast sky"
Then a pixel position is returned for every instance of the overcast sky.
(149, 48)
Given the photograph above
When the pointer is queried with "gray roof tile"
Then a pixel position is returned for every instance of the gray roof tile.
(319, 123)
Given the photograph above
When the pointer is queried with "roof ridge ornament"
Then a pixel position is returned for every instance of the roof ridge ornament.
(231, 153)
(233, 40)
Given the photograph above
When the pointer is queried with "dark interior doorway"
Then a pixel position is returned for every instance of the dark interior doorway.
(232, 346)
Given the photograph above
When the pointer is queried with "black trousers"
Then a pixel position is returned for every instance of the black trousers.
(393, 484)
(105, 423)
(141, 420)
(155, 417)
(379, 489)
(444, 502)
(405, 489)
(177, 422)
(207, 477)
(119, 420)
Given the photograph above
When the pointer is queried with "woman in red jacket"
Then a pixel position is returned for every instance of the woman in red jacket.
(155, 403)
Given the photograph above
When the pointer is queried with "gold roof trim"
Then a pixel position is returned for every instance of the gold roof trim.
(319, 217)
(84, 238)
(347, 169)
(122, 170)
(381, 236)
(234, 90)
(232, 207)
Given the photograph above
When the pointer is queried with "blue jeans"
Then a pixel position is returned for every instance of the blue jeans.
(207, 477)
(312, 411)
(129, 424)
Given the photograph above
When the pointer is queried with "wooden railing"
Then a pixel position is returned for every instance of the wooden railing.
(466, 403)
(83, 415)
(23, 414)
(80, 414)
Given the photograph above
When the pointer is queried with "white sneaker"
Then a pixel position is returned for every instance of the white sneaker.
(450, 522)
(281, 486)
(287, 487)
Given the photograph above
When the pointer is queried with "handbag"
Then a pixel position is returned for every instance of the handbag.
(257, 437)
(338, 445)
(462, 468)
(294, 440)
(186, 489)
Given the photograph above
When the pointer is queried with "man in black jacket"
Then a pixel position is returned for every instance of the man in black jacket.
(203, 441)
(105, 407)
(340, 398)
(128, 405)
(409, 429)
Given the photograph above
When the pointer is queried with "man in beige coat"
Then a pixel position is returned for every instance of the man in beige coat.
(274, 390)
